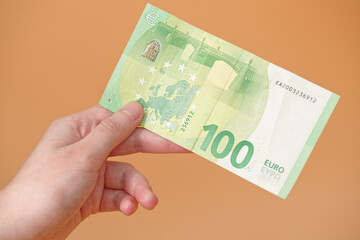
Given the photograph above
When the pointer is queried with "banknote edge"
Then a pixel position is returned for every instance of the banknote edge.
(315, 134)
(309, 146)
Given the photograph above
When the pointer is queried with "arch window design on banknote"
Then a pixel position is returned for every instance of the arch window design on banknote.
(152, 50)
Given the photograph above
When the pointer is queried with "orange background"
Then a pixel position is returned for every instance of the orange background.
(56, 58)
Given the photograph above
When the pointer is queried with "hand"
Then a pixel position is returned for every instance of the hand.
(66, 178)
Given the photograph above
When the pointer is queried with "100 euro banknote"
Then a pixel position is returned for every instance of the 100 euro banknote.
(223, 103)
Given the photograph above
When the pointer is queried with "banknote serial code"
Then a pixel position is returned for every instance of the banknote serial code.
(187, 121)
(295, 91)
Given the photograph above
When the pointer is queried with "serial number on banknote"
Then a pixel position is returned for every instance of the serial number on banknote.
(296, 91)
(187, 121)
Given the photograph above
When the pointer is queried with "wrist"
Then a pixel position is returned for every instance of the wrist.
(7, 223)
(14, 221)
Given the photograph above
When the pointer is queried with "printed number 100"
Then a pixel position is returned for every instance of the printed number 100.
(231, 139)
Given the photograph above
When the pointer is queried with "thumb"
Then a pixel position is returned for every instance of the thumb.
(110, 132)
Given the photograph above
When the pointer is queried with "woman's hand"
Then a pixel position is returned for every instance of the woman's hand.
(67, 178)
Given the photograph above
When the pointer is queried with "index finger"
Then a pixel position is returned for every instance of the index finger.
(143, 140)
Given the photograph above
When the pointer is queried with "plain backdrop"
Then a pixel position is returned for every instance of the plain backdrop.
(56, 58)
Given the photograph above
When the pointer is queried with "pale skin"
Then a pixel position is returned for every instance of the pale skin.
(67, 177)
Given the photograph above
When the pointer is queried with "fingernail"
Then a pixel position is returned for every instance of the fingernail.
(134, 109)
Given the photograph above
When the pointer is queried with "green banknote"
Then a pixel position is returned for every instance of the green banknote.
(225, 104)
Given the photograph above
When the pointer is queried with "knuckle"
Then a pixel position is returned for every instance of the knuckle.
(111, 126)
(57, 124)
(120, 122)
(67, 120)
(124, 117)
(138, 147)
